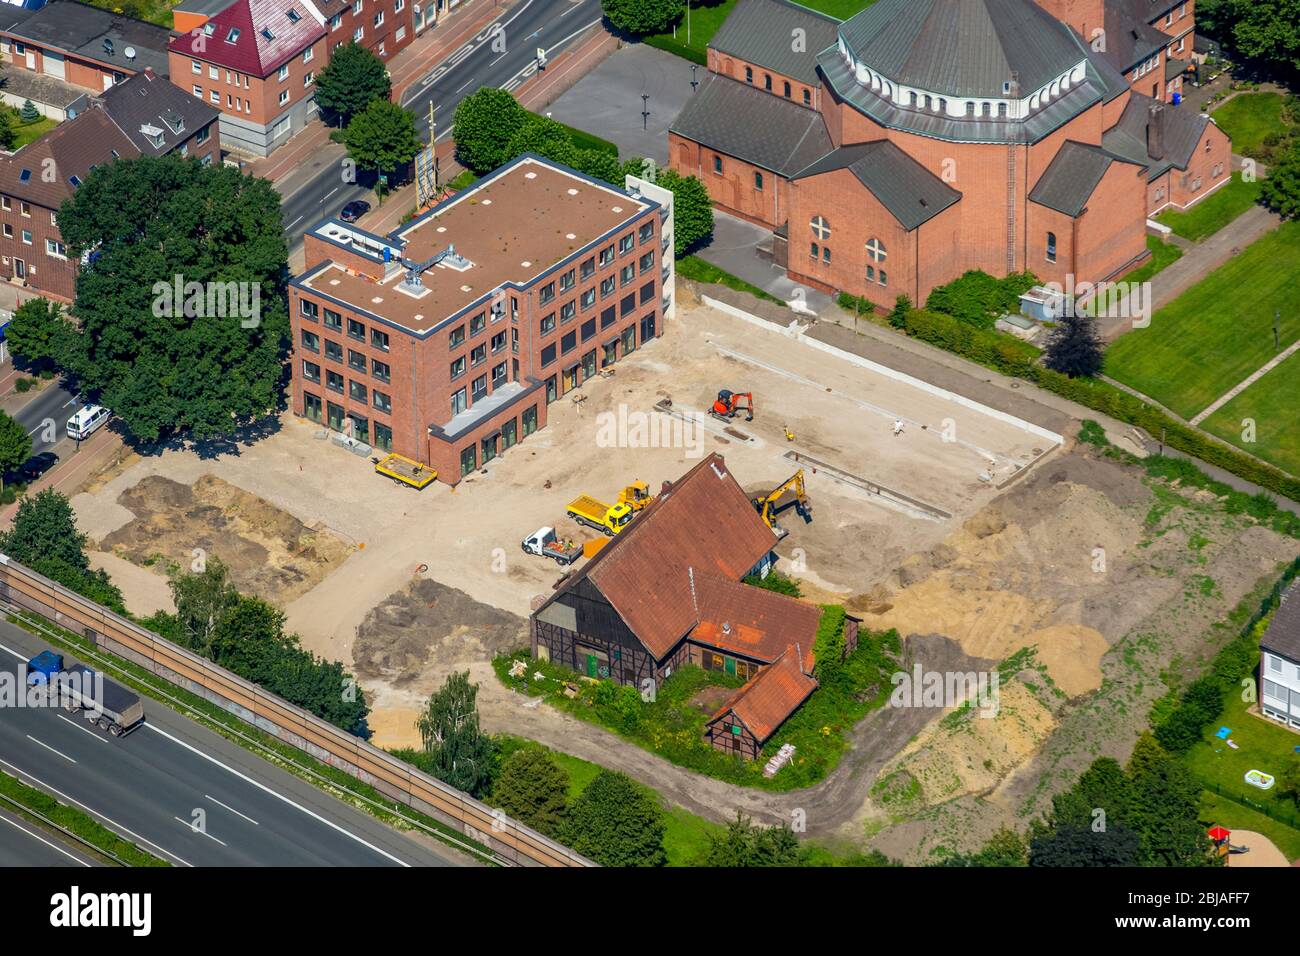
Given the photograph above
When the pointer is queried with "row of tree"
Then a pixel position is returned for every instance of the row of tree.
(1145, 813)
(492, 128)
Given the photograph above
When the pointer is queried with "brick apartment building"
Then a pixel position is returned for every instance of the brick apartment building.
(1148, 41)
(256, 60)
(446, 340)
(55, 53)
(962, 134)
(145, 115)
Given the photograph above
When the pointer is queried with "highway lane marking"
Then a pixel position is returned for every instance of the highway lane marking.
(191, 827)
(84, 730)
(208, 796)
(36, 836)
(468, 82)
(279, 796)
(109, 820)
(49, 748)
(457, 58)
(527, 71)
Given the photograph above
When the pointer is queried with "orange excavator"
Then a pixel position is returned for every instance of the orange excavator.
(730, 402)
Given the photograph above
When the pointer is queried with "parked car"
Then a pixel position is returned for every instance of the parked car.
(87, 421)
(354, 210)
(38, 465)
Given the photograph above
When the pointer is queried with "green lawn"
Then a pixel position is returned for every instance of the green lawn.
(1214, 211)
(1271, 403)
(1162, 254)
(706, 18)
(695, 268)
(1261, 745)
(29, 132)
(1216, 333)
(1248, 118)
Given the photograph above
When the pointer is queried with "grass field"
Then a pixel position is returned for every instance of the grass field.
(1220, 811)
(1271, 403)
(1162, 254)
(1216, 333)
(705, 19)
(1214, 211)
(1248, 118)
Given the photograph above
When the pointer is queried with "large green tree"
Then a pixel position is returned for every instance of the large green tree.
(692, 210)
(197, 362)
(486, 122)
(643, 17)
(616, 823)
(382, 137)
(203, 597)
(460, 753)
(351, 81)
(15, 445)
(40, 334)
(1263, 30)
(533, 789)
(1281, 190)
(45, 538)
(1073, 845)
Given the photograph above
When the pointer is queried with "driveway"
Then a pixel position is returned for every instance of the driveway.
(745, 250)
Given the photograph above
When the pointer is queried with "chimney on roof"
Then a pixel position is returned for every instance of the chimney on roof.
(1156, 131)
(148, 73)
(1013, 85)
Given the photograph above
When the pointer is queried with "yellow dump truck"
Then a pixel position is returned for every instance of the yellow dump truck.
(405, 470)
(611, 519)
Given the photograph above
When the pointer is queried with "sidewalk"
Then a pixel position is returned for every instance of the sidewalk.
(95, 452)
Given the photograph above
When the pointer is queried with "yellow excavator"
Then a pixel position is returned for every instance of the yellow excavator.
(770, 504)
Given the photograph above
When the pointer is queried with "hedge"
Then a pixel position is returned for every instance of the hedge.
(1010, 356)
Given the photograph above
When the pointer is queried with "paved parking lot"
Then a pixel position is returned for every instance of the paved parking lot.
(608, 101)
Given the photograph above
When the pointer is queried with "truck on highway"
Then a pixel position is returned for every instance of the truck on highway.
(546, 543)
(107, 705)
(611, 519)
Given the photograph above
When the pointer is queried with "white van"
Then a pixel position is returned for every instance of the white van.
(86, 421)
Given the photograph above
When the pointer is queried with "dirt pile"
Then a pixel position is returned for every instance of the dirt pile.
(417, 636)
(270, 553)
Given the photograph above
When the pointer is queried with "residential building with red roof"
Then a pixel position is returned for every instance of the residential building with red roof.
(257, 60)
(668, 592)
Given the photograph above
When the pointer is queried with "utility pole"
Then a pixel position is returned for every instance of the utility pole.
(645, 111)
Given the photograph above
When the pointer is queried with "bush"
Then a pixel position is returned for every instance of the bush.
(775, 581)
(24, 384)
(979, 299)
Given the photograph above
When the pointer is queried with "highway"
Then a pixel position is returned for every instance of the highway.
(25, 844)
(186, 794)
(551, 24)
(46, 417)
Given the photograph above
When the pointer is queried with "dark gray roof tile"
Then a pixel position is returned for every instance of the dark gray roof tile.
(1283, 634)
(1069, 180)
(762, 32)
(912, 194)
(751, 125)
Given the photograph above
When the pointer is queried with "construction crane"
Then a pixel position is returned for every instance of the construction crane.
(729, 403)
(769, 504)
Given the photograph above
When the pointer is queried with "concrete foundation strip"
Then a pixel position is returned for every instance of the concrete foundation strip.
(906, 502)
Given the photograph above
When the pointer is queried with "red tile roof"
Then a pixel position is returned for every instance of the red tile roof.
(69, 150)
(252, 52)
(765, 702)
(703, 524)
(753, 622)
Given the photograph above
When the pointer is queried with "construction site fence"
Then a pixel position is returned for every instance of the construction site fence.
(510, 842)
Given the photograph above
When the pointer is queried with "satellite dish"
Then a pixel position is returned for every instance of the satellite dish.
(130, 52)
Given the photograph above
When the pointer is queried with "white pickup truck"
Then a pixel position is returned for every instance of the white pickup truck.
(547, 544)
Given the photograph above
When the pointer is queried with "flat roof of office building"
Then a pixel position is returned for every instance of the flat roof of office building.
(511, 227)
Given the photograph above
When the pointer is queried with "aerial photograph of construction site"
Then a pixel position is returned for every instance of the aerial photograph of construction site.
(664, 446)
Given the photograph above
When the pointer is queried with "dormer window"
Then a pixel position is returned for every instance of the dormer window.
(233, 35)
(209, 29)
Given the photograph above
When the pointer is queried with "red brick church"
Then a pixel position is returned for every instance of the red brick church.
(919, 139)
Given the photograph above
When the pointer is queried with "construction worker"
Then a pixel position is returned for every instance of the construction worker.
(898, 426)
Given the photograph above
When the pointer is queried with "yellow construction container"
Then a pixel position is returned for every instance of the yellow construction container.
(406, 471)
(591, 547)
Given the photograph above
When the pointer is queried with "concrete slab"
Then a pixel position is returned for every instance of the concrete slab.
(745, 250)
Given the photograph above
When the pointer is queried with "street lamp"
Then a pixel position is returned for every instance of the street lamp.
(645, 111)
(694, 82)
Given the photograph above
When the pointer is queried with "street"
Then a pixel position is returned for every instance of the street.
(184, 793)
(549, 24)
